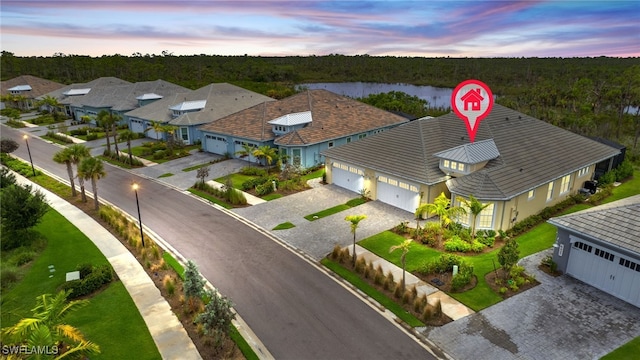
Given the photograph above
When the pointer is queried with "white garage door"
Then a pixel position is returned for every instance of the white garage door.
(398, 193)
(216, 144)
(348, 177)
(606, 270)
(137, 126)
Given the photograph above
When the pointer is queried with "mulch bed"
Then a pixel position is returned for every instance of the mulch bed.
(501, 276)
(434, 321)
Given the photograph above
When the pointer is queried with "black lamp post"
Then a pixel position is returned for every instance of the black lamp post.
(25, 137)
(135, 189)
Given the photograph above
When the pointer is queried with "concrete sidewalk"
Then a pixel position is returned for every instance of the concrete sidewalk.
(450, 307)
(167, 332)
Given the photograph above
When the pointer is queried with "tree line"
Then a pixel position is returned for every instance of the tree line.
(590, 96)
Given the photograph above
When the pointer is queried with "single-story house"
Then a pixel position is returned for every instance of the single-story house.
(71, 97)
(518, 165)
(601, 247)
(188, 110)
(26, 89)
(300, 126)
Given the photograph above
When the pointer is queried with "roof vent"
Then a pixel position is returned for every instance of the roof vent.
(461, 137)
(521, 169)
(507, 118)
(519, 116)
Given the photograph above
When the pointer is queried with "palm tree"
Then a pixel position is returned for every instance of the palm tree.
(47, 327)
(50, 102)
(404, 246)
(475, 207)
(265, 152)
(171, 132)
(64, 157)
(127, 136)
(354, 220)
(246, 151)
(77, 152)
(115, 120)
(92, 168)
(441, 207)
(106, 121)
(157, 127)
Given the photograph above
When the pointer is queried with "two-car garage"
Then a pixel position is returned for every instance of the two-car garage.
(389, 190)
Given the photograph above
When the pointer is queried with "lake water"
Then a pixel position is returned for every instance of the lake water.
(436, 97)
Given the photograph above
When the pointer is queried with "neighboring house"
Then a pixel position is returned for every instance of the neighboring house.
(188, 110)
(300, 126)
(601, 247)
(71, 97)
(518, 165)
(26, 89)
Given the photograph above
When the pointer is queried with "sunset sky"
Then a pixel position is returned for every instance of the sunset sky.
(569, 28)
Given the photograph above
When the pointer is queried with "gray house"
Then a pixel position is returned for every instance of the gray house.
(189, 110)
(518, 165)
(601, 247)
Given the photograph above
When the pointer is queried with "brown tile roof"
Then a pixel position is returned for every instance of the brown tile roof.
(532, 153)
(38, 85)
(334, 116)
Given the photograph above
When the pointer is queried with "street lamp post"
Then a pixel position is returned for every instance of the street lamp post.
(135, 189)
(25, 137)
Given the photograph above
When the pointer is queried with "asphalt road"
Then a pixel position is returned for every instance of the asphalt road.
(296, 310)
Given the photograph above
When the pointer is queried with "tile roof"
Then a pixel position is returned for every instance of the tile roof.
(532, 153)
(222, 99)
(77, 101)
(124, 97)
(472, 153)
(38, 85)
(617, 223)
(334, 116)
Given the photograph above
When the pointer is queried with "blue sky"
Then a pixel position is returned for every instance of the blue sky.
(569, 28)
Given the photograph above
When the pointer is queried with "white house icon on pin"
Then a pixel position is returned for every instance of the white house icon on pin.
(473, 98)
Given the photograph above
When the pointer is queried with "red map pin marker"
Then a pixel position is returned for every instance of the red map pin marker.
(472, 101)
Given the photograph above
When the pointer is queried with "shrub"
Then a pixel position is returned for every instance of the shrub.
(59, 137)
(369, 271)
(624, 170)
(92, 136)
(378, 278)
(419, 303)
(487, 241)
(216, 317)
(169, 284)
(503, 290)
(407, 297)
(389, 282)
(401, 228)
(464, 276)
(8, 276)
(361, 263)
(477, 246)
(456, 244)
(94, 280)
(441, 265)
(397, 291)
(24, 258)
(253, 171)
(335, 253)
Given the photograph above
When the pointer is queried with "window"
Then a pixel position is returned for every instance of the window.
(604, 254)
(184, 134)
(550, 191)
(445, 163)
(461, 166)
(330, 144)
(485, 219)
(463, 219)
(582, 172)
(349, 139)
(296, 154)
(582, 246)
(362, 136)
(531, 195)
(564, 184)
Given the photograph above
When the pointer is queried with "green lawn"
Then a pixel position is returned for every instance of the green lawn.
(213, 199)
(629, 351)
(237, 179)
(284, 226)
(111, 319)
(313, 175)
(272, 196)
(628, 188)
(336, 209)
(165, 175)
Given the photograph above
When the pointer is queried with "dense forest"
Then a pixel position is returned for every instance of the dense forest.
(590, 96)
